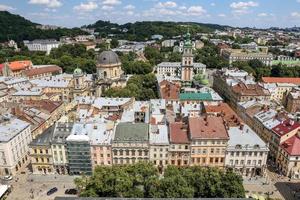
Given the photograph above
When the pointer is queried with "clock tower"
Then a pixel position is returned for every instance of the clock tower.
(187, 62)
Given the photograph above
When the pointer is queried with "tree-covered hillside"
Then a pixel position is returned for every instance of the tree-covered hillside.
(18, 28)
(143, 30)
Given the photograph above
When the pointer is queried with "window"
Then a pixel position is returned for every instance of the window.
(211, 160)
(242, 162)
(186, 147)
(249, 162)
(259, 162)
(236, 162)
(108, 155)
(212, 150)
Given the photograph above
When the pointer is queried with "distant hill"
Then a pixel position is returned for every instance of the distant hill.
(143, 30)
(18, 28)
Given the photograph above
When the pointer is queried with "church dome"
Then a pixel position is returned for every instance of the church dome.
(107, 59)
(77, 72)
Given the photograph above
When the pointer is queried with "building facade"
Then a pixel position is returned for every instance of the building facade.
(131, 143)
(246, 153)
(15, 136)
(209, 140)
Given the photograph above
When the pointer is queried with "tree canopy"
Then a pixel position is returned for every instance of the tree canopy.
(142, 87)
(142, 180)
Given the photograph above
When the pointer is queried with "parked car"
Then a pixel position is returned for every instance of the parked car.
(7, 178)
(52, 190)
(71, 191)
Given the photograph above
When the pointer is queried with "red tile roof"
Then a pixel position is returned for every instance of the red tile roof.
(285, 127)
(224, 110)
(20, 65)
(292, 146)
(169, 90)
(210, 127)
(178, 133)
(281, 80)
(250, 90)
(43, 70)
(46, 105)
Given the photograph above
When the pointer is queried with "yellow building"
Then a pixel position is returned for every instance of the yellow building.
(209, 140)
(41, 153)
(288, 160)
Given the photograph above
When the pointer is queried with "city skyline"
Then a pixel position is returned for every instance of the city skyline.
(256, 13)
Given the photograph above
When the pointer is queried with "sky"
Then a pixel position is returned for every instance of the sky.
(239, 13)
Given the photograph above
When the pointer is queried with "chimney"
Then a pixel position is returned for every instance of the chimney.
(241, 126)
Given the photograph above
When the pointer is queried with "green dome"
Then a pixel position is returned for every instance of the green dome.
(77, 71)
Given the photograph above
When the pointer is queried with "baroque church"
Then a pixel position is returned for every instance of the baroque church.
(109, 74)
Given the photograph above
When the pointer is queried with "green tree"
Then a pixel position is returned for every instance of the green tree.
(114, 43)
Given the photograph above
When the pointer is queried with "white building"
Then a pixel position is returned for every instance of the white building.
(41, 45)
(159, 144)
(15, 135)
(186, 69)
(246, 152)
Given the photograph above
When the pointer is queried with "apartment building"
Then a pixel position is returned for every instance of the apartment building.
(41, 45)
(209, 140)
(179, 150)
(130, 143)
(15, 136)
(79, 152)
(41, 153)
(58, 146)
(293, 101)
(289, 157)
(159, 145)
(246, 153)
(233, 55)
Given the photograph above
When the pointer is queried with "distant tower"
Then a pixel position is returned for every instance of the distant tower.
(187, 62)
(78, 79)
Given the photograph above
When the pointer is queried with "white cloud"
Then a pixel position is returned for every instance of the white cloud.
(166, 12)
(212, 4)
(6, 7)
(295, 14)
(130, 12)
(243, 5)
(86, 7)
(196, 10)
(167, 4)
(221, 15)
(182, 8)
(107, 8)
(129, 7)
(111, 2)
(263, 15)
(48, 3)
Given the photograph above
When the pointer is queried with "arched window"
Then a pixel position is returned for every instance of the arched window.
(104, 74)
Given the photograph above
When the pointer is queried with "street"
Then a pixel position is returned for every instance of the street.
(273, 186)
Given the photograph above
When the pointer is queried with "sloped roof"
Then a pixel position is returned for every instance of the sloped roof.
(292, 146)
(281, 80)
